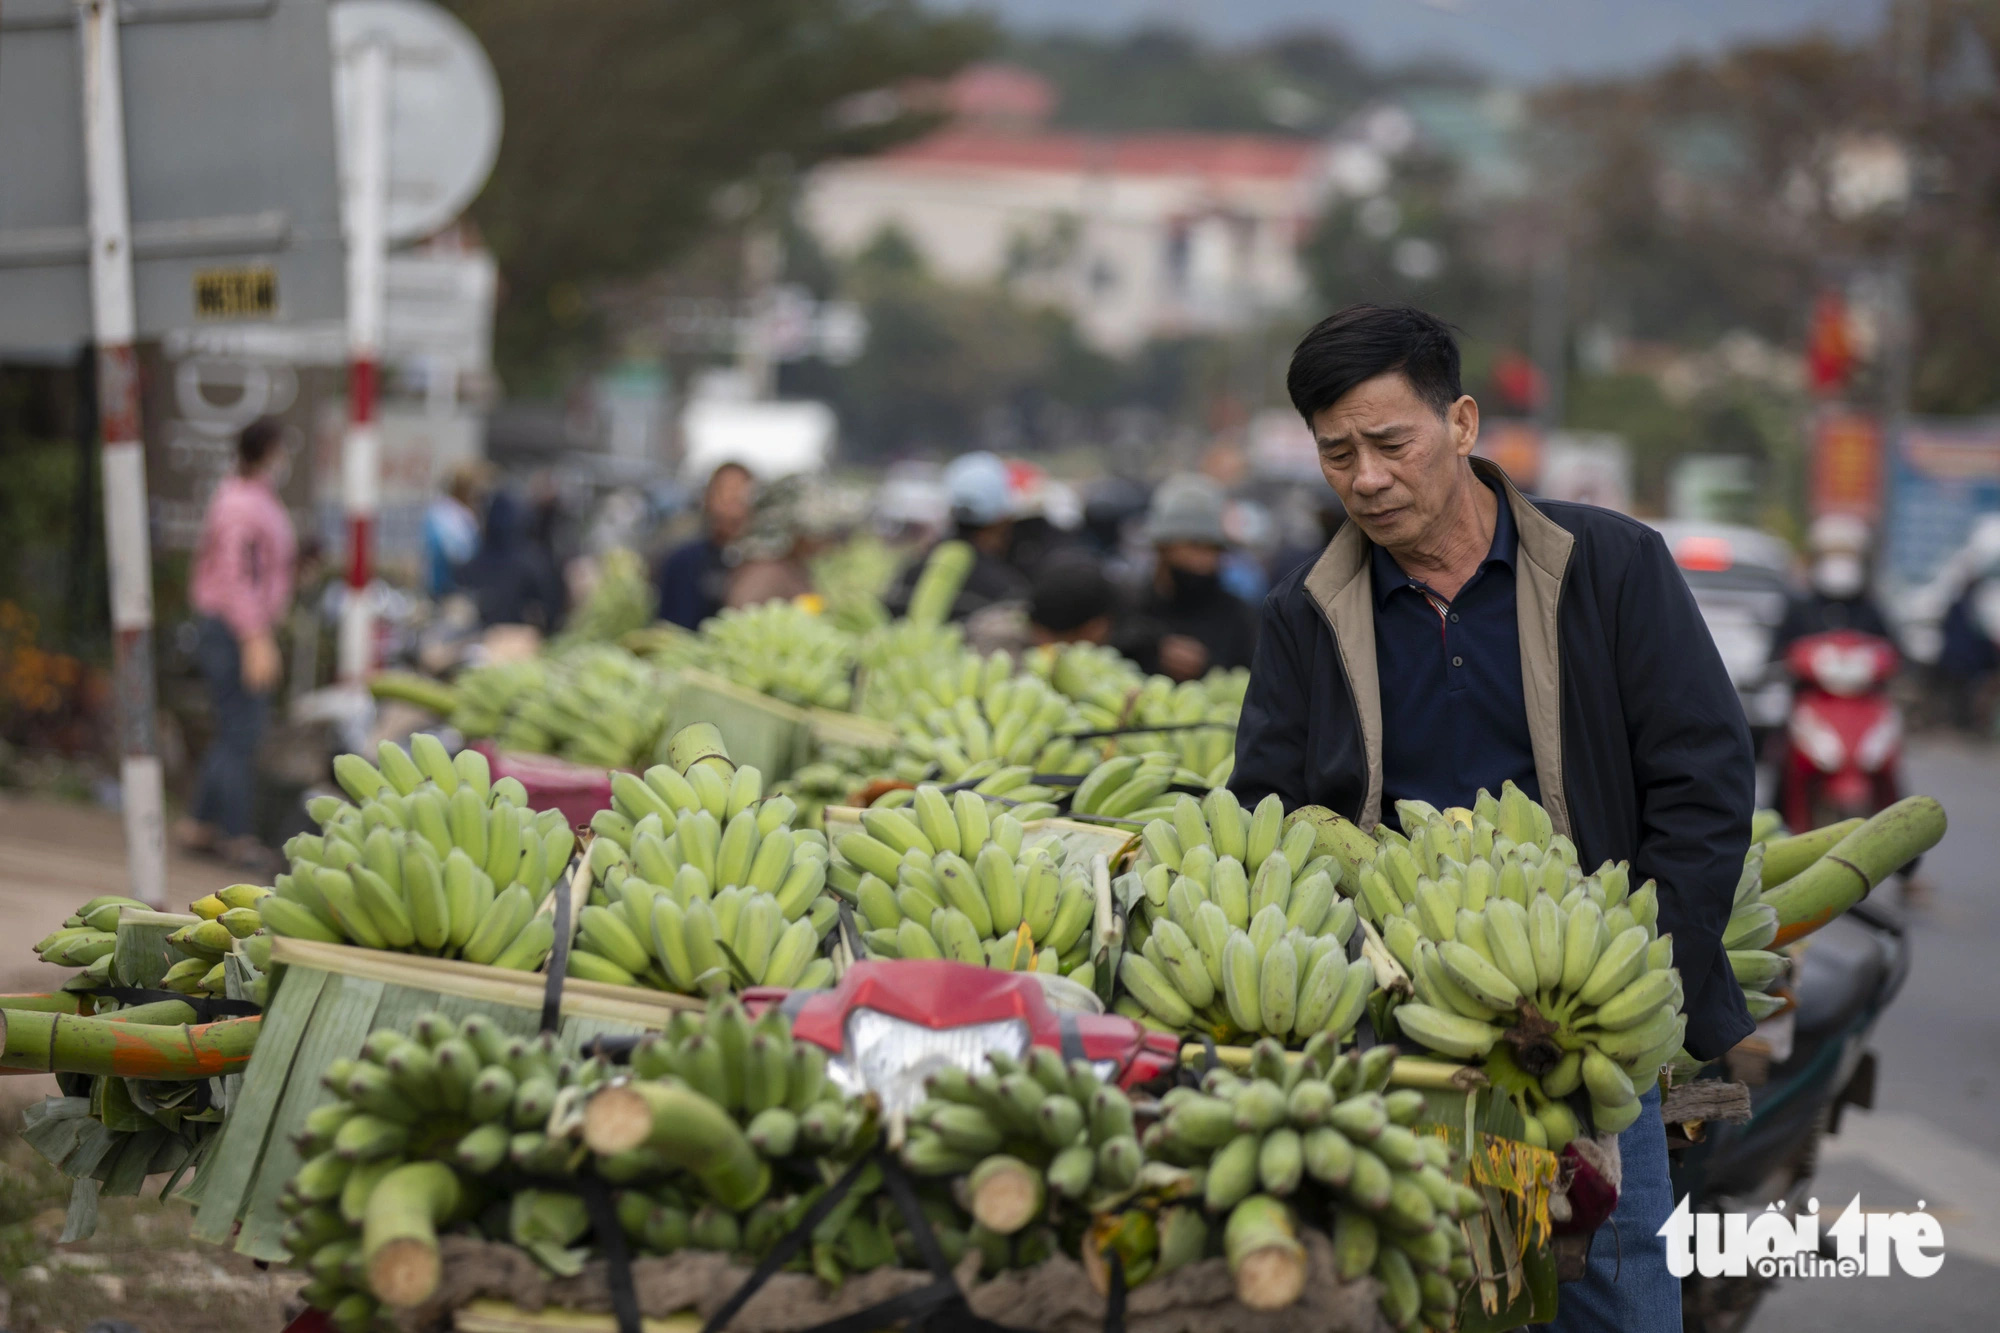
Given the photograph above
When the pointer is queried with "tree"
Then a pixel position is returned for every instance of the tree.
(626, 119)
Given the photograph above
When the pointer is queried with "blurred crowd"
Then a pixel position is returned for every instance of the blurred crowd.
(1159, 575)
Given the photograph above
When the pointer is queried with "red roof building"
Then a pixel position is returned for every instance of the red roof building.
(1139, 235)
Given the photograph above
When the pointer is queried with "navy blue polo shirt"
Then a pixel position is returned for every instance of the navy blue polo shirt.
(1454, 718)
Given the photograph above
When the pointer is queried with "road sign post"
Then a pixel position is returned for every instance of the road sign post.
(420, 116)
(366, 197)
(214, 203)
(114, 318)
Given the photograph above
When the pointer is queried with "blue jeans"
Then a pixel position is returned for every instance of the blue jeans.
(1643, 1297)
(228, 771)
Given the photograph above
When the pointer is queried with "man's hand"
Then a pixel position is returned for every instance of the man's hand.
(261, 664)
(1181, 657)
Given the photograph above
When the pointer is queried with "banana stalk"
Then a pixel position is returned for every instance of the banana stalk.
(67, 1044)
(46, 1002)
(1265, 1257)
(399, 1245)
(1853, 866)
(684, 1128)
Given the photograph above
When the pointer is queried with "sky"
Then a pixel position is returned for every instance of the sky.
(1528, 40)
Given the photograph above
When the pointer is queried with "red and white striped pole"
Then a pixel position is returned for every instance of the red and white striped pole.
(114, 323)
(367, 199)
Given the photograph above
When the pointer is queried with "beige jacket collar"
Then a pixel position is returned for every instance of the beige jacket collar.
(1340, 586)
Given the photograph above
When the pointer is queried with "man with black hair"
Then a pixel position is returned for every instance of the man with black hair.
(1072, 601)
(1454, 635)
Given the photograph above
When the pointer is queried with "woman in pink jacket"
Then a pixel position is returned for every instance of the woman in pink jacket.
(241, 589)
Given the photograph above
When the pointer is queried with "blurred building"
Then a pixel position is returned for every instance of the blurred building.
(1138, 235)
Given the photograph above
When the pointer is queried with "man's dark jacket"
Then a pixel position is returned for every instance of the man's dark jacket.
(1640, 744)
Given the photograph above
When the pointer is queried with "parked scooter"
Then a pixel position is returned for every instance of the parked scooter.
(1844, 740)
(1846, 976)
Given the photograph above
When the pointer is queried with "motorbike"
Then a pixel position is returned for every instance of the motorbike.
(1819, 1064)
(1844, 740)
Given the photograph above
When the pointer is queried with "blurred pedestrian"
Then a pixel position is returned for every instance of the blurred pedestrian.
(1967, 657)
(241, 588)
(451, 527)
(1073, 601)
(1838, 596)
(1310, 516)
(694, 578)
(506, 577)
(982, 513)
(1186, 622)
(777, 549)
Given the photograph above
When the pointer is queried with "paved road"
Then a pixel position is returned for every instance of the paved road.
(1935, 1133)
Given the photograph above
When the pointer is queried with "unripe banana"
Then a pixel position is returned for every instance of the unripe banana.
(1637, 1001)
(1583, 944)
(1620, 965)
(1278, 987)
(1447, 1033)
(1240, 969)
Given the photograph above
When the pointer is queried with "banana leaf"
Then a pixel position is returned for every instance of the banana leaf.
(769, 735)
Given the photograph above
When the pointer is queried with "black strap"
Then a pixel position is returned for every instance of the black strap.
(206, 1009)
(781, 1253)
(849, 931)
(1114, 1299)
(611, 1240)
(1072, 1037)
(552, 988)
(1138, 730)
(915, 1305)
(1209, 1059)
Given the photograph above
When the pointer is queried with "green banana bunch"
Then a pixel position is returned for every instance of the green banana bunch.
(1111, 693)
(1027, 1133)
(462, 1099)
(702, 883)
(1323, 1127)
(430, 856)
(778, 648)
(1008, 720)
(1753, 925)
(1506, 937)
(593, 704)
(836, 776)
(908, 669)
(714, 1103)
(946, 878)
(621, 601)
(1129, 786)
(1238, 928)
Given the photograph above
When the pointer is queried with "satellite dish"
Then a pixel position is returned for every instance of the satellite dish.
(444, 108)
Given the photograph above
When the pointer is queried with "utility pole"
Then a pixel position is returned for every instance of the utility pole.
(114, 321)
(367, 201)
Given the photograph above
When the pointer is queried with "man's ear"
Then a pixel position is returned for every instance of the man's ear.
(1463, 419)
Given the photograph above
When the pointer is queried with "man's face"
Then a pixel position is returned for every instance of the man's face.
(1191, 557)
(727, 504)
(1392, 459)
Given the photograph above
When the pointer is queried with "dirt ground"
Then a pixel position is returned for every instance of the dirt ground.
(55, 855)
(141, 1268)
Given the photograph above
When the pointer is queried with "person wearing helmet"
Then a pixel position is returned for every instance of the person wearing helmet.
(1838, 598)
(1186, 621)
(982, 515)
(787, 529)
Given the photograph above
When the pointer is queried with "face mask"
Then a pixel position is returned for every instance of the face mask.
(1838, 575)
(1191, 586)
